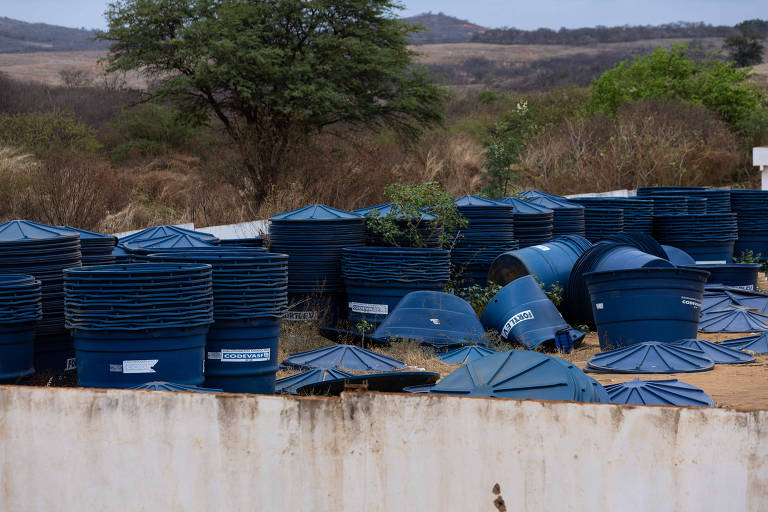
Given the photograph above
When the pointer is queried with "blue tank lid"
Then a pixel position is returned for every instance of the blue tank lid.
(678, 256)
(20, 231)
(89, 235)
(523, 207)
(385, 209)
(466, 354)
(434, 318)
(289, 385)
(550, 201)
(718, 353)
(757, 344)
(179, 241)
(316, 212)
(733, 319)
(164, 231)
(651, 357)
(470, 201)
(658, 392)
(348, 357)
(170, 386)
(514, 374)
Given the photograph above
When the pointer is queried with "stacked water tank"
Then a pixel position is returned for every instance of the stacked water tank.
(751, 209)
(313, 237)
(637, 213)
(568, 216)
(533, 223)
(250, 296)
(44, 252)
(167, 238)
(377, 278)
(21, 307)
(138, 323)
(602, 222)
(489, 233)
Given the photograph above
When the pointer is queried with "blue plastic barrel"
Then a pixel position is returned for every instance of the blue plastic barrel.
(603, 257)
(373, 301)
(550, 263)
(646, 304)
(242, 355)
(738, 275)
(521, 312)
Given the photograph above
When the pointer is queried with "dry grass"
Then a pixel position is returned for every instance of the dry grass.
(455, 53)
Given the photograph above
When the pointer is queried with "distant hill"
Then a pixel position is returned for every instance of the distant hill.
(441, 28)
(20, 36)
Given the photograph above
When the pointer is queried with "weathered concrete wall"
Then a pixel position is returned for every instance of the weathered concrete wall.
(75, 449)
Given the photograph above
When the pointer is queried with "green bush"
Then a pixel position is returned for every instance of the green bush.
(674, 74)
(155, 123)
(46, 132)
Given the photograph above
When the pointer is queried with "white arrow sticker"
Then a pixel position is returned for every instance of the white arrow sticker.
(139, 366)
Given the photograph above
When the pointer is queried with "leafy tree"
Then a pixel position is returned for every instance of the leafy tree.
(746, 47)
(275, 71)
(507, 142)
(673, 74)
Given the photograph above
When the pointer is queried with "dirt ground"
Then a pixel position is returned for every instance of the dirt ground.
(739, 386)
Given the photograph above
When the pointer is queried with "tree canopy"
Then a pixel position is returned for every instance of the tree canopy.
(746, 47)
(273, 71)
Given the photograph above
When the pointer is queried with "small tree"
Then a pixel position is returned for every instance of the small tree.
(76, 77)
(746, 47)
(274, 71)
(507, 143)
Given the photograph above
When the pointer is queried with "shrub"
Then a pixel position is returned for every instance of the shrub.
(403, 222)
(674, 74)
(46, 132)
(148, 130)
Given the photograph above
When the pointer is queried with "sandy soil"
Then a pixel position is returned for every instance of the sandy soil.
(740, 386)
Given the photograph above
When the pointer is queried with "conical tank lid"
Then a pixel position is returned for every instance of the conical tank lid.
(347, 357)
(466, 354)
(515, 374)
(316, 212)
(733, 319)
(21, 231)
(757, 344)
(651, 357)
(718, 353)
(289, 385)
(658, 392)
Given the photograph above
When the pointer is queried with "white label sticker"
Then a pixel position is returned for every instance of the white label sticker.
(435, 321)
(251, 355)
(518, 318)
(139, 366)
(301, 316)
(690, 301)
(718, 262)
(71, 364)
(599, 305)
(373, 309)
(542, 247)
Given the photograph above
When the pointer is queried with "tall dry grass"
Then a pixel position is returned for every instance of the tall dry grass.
(648, 143)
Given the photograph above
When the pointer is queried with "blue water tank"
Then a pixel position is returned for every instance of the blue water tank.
(138, 323)
(522, 313)
(21, 308)
(646, 304)
(737, 275)
(550, 263)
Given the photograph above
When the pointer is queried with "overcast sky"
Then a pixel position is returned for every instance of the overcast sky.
(526, 14)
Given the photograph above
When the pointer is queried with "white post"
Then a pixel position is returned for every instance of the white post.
(760, 159)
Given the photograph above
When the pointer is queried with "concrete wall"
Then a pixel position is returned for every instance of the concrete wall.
(90, 450)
